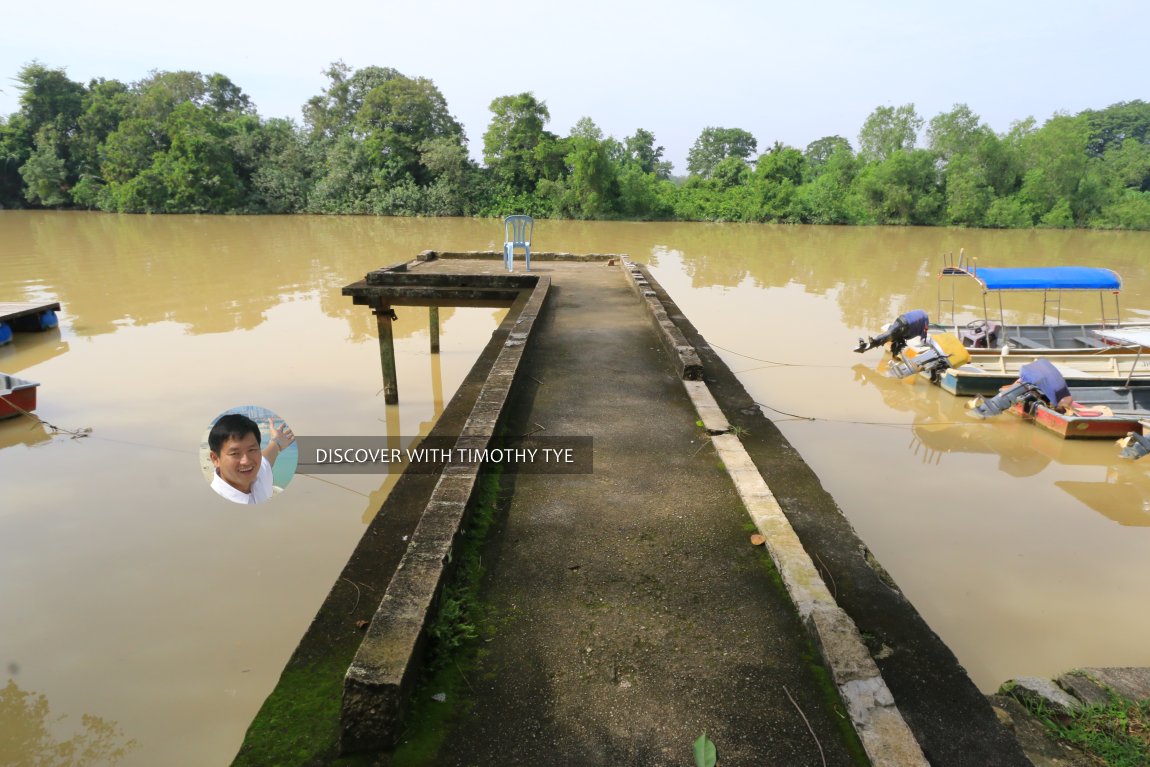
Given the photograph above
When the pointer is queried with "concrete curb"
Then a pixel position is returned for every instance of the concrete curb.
(378, 683)
(876, 719)
(683, 355)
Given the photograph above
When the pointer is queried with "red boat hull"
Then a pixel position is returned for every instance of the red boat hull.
(21, 399)
(1069, 426)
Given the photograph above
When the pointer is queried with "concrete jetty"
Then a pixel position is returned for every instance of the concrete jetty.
(635, 612)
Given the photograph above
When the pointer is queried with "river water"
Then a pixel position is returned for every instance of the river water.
(146, 618)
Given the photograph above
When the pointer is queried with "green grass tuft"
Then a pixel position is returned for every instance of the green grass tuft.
(1116, 733)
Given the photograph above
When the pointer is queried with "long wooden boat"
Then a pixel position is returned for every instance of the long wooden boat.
(987, 374)
(17, 396)
(1121, 400)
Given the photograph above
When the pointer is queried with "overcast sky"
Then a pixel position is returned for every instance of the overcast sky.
(785, 71)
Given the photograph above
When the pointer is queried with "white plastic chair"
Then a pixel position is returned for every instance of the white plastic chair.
(517, 231)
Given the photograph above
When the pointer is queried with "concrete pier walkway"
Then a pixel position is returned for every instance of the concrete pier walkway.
(631, 610)
(636, 612)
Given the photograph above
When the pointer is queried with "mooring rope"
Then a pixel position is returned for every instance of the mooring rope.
(76, 434)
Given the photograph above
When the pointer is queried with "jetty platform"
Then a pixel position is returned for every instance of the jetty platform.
(14, 310)
(24, 315)
(629, 609)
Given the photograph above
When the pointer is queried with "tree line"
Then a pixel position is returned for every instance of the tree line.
(376, 141)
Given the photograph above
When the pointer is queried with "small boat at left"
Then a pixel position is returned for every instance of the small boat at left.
(17, 396)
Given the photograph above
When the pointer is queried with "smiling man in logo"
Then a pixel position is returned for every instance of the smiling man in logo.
(243, 471)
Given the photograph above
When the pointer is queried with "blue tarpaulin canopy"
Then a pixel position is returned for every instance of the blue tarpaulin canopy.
(1048, 278)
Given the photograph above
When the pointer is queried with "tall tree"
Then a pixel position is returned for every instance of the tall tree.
(48, 97)
(1117, 123)
(1056, 164)
(957, 132)
(640, 149)
(396, 118)
(819, 151)
(593, 187)
(332, 113)
(715, 145)
(45, 173)
(50, 106)
(903, 189)
(888, 130)
(513, 140)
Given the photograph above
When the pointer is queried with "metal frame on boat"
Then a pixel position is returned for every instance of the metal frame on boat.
(1031, 279)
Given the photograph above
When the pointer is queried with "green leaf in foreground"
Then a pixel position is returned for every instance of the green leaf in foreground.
(704, 751)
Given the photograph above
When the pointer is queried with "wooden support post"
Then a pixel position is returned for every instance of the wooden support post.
(437, 385)
(433, 313)
(383, 317)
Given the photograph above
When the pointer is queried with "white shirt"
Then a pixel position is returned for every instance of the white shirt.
(261, 488)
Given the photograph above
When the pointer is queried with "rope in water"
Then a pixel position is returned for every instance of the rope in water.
(797, 417)
(76, 434)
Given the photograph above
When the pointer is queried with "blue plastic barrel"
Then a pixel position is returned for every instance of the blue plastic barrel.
(48, 320)
(5, 334)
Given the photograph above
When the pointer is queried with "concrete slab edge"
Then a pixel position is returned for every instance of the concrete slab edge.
(1081, 687)
(880, 726)
(683, 356)
(379, 682)
(542, 255)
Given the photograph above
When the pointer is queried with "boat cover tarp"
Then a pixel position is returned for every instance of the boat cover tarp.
(917, 322)
(1042, 375)
(1048, 278)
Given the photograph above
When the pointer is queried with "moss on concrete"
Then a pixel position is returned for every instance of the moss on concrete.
(299, 722)
(454, 651)
(822, 677)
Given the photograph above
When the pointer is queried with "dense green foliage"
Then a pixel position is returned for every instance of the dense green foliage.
(377, 141)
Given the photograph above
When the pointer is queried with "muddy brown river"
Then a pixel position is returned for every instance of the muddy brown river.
(146, 618)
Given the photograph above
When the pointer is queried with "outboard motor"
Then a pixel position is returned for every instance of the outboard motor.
(1044, 377)
(898, 333)
(1134, 446)
(1001, 402)
(943, 351)
(1037, 381)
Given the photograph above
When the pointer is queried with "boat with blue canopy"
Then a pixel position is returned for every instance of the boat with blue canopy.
(1051, 281)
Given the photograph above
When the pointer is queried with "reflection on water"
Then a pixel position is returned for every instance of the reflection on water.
(34, 348)
(1026, 553)
(22, 430)
(30, 735)
(940, 426)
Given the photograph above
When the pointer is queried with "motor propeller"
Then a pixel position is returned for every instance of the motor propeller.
(1134, 446)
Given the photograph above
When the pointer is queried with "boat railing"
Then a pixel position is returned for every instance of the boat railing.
(958, 267)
